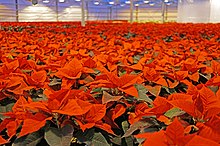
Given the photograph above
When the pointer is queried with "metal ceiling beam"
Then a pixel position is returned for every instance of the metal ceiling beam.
(83, 13)
(57, 11)
(16, 10)
(131, 11)
(163, 11)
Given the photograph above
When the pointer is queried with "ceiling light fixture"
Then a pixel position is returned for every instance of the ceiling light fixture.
(168, 3)
(96, 3)
(152, 4)
(127, 2)
(46, 1)
(146, 1)
(111, 3)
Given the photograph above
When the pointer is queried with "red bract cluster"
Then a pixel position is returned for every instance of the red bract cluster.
(110, 84)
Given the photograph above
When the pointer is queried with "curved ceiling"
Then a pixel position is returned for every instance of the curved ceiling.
(122, 3)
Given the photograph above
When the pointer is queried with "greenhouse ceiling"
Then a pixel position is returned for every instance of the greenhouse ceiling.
(121, 3)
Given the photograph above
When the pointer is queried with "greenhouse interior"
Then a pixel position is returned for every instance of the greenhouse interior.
(110, 72)
(95, 10)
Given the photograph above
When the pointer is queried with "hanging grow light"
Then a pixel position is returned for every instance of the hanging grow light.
(96, 3)
(127, 2)
(111, 3)
(146, 1)
(46, 1)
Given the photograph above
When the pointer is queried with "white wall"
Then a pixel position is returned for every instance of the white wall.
(199, 11)
(193, 11)
(215, 11)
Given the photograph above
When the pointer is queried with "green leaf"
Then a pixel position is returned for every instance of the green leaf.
(116, 140)
(169, 90)
(66, 44)
(86, 136)
(37, 95)
(97, 72)
(67, 132)
(53, 137)
(128, 141)
(59, 137)
(121, 73)
(205, 77)
(142, 93)
(29, 140)
(91, 53)
(106, 97)
(96, 90)
(4, 109)
(150, 61)
(136, 58)
(140, 141)
(168, 39)
(150, 129)
(26, 71)
(140, 87)
(174, 112)
(99, 140)
(125, 126)
(139, 125)
(192, 51)
(129, 35)
(55, 83)
(214, 88)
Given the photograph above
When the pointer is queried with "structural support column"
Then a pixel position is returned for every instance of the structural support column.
(87, 10)
(116, 12)
(136, 13)
(16, 10)
(163, 11)
(83, 13)
(166, 17)
(57, 11)
(131, 11)
(110, 13)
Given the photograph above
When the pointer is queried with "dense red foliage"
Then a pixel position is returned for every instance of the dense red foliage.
(162, 77)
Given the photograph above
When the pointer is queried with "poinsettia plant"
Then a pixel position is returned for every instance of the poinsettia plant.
(109, 84)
